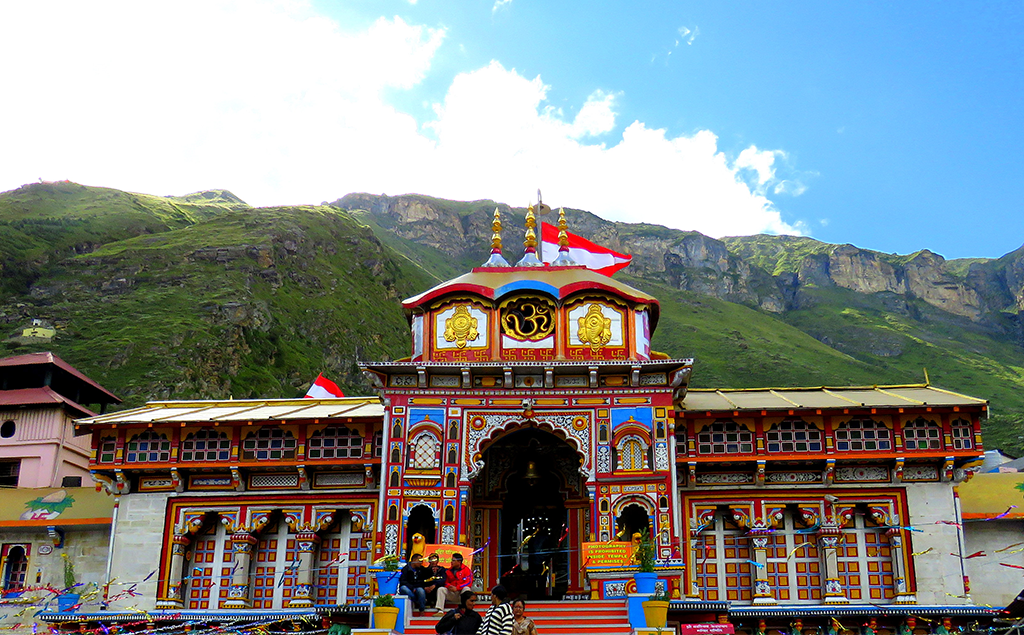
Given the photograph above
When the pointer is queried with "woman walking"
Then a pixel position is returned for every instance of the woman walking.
(521, 625)
(463, 620)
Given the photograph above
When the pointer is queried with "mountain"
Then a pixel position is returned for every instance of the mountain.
(204, 296)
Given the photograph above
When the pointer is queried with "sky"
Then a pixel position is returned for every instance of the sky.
(891, 126)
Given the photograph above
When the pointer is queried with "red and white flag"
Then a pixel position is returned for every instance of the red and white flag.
(323, 388)
(593, 256)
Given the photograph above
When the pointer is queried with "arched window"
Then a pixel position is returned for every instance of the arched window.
(149, 447)
(15, 567)
(793, 435)
(425, 452)
(632, 453)
(335, 443)
(206, 445)
(859, 435)
(453, 456)
(394, 482)
(922, 434)
(963, 434)
(107, 450)
(725, 437)
(268, 444)
(396, 455)
(449, 480)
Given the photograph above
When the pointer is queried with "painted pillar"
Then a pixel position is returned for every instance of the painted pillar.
(899, 567)
(242, 545)
(175, 592)
(828, 538)
(303, 595)
(762, 589)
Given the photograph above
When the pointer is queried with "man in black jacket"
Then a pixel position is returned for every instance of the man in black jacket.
(410, 582)
(434, 577)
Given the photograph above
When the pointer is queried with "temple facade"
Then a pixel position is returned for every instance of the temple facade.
(531, 420)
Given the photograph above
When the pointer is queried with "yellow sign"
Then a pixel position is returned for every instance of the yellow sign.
(608, 554)
(444, 553)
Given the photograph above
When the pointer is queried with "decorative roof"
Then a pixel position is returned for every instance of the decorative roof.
(102, 395)
(560, 282)
(40, 397)
(903, 396)
(225, 411)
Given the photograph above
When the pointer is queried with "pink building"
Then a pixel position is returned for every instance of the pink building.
(40, 397)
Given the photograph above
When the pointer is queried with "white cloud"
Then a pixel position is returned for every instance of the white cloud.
(687, 35)
(283, 106)
(498, 4)
(789, 187)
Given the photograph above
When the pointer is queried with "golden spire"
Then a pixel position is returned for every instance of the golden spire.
(563, 259)
(496, 259)
(530, 258)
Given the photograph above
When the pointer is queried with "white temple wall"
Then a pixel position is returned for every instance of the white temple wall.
(939, 575)
(992, 583)
(138, 541)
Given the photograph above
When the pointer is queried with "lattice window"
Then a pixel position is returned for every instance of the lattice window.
(274, 573)
(963, 434)
(15, 559)
(268, 444)
(793, 435)
(864, 557)
(209, 570)
(725, 437)
(859, 435)
(149, 447)
(206, 445)
(794, 565)
(632, 454)
(722, 563)
(107, 450)
(922, 434)
(331, 574)
(335, 443)
(425, 452)
(378, 443)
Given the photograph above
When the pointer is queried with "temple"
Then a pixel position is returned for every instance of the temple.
(532, 423)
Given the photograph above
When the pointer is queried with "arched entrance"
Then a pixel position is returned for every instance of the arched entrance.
(421, 521)
(535, 500)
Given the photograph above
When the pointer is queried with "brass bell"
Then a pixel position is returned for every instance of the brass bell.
(531, 476)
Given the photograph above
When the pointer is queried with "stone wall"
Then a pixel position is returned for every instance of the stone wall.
(138, 541)
(939, 576)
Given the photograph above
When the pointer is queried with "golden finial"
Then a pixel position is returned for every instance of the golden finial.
(496, 259)
(563, 259)
(531, 225)
(496, 236)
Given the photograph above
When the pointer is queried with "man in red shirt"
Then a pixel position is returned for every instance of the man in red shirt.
(459, 578)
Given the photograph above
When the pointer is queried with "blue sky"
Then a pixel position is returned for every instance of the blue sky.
(892, 126)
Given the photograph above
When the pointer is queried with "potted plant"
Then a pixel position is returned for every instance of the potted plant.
(385, 613)
(644, 555)
(67, 602)
(656, 610)
(387, 576)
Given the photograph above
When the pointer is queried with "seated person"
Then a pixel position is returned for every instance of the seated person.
(459, 578)
(433, 581)
(410, 582)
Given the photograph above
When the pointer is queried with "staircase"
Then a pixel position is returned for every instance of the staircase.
(585, 617)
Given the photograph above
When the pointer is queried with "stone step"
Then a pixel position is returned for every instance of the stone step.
(606, 617)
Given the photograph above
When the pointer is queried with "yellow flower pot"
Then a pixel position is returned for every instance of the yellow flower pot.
(655, 613)
(385, 617)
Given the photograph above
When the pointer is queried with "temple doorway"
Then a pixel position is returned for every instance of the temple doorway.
(532, 490)
(421, 521)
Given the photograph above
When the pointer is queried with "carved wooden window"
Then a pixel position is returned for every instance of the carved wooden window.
(794, 564)
(860, 435)
(864, 558)
(15, 558)
(722, 557)
(725, 437)
(269, 444)
(963, 434)
(335, 559)
(211, 562)
(922, 434)
(632, 454)
(793, 435)
(274, 574)
(335, 443)
(149, 447)
(378, 443)
(425, 452)
(206, 445)
(107, 450)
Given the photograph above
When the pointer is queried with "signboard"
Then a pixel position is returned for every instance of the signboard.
(708, 628)
(608, 554)
(444, 552)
